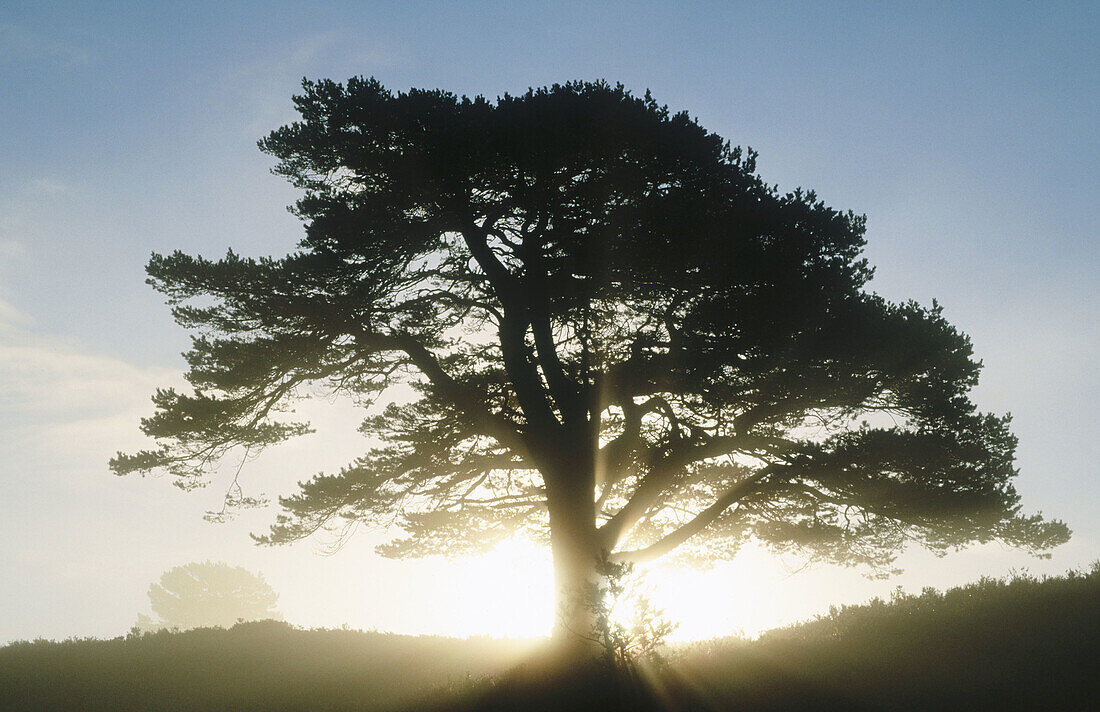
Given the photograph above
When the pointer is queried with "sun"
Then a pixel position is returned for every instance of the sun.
(745, 596)
(509, 593)
(506, 593)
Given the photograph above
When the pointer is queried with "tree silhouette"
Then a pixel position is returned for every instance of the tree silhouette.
(619, 340)
(209, 594)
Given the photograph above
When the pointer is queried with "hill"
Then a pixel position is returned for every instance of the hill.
(1018, 644)
(266, 665)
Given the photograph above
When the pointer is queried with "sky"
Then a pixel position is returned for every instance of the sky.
(967, 135)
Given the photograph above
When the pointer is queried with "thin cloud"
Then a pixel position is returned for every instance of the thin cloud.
(10, 317)
(48, 383)
(266, 83)
(18, 44)
(48, 186)
(10, 249)
(22, 211)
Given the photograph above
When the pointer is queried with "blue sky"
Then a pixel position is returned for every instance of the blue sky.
(967, 135)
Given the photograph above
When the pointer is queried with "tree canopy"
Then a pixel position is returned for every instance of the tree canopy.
(209, 594)
(619, 339)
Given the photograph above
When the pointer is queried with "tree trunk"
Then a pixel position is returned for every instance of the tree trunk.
(575, 552)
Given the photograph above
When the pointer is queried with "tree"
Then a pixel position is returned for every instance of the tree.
(619, 341)
(209, 594)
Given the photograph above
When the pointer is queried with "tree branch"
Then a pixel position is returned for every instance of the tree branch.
(700, 522)
(662, 471)
(513, 325)
(565, 391)
(460, 396)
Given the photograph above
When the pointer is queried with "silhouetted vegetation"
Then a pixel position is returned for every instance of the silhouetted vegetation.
(1019, 644)
(628, 627)
(265, 665)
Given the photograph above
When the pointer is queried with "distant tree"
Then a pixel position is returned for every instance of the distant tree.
(209, 594)
(619, 341)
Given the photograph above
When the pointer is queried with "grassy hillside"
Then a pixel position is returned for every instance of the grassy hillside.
(252, 666)
(1023, 644)
(1020, 644)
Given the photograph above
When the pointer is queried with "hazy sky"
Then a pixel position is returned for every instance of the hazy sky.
(968, 137)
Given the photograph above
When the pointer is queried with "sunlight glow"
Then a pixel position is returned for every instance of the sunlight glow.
(746, 596)
(507, 593)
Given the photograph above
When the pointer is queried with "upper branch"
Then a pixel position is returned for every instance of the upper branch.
(513, 327)
(462, 398)
(565, 391)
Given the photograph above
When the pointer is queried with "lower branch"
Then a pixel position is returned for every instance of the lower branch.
(697, 524)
